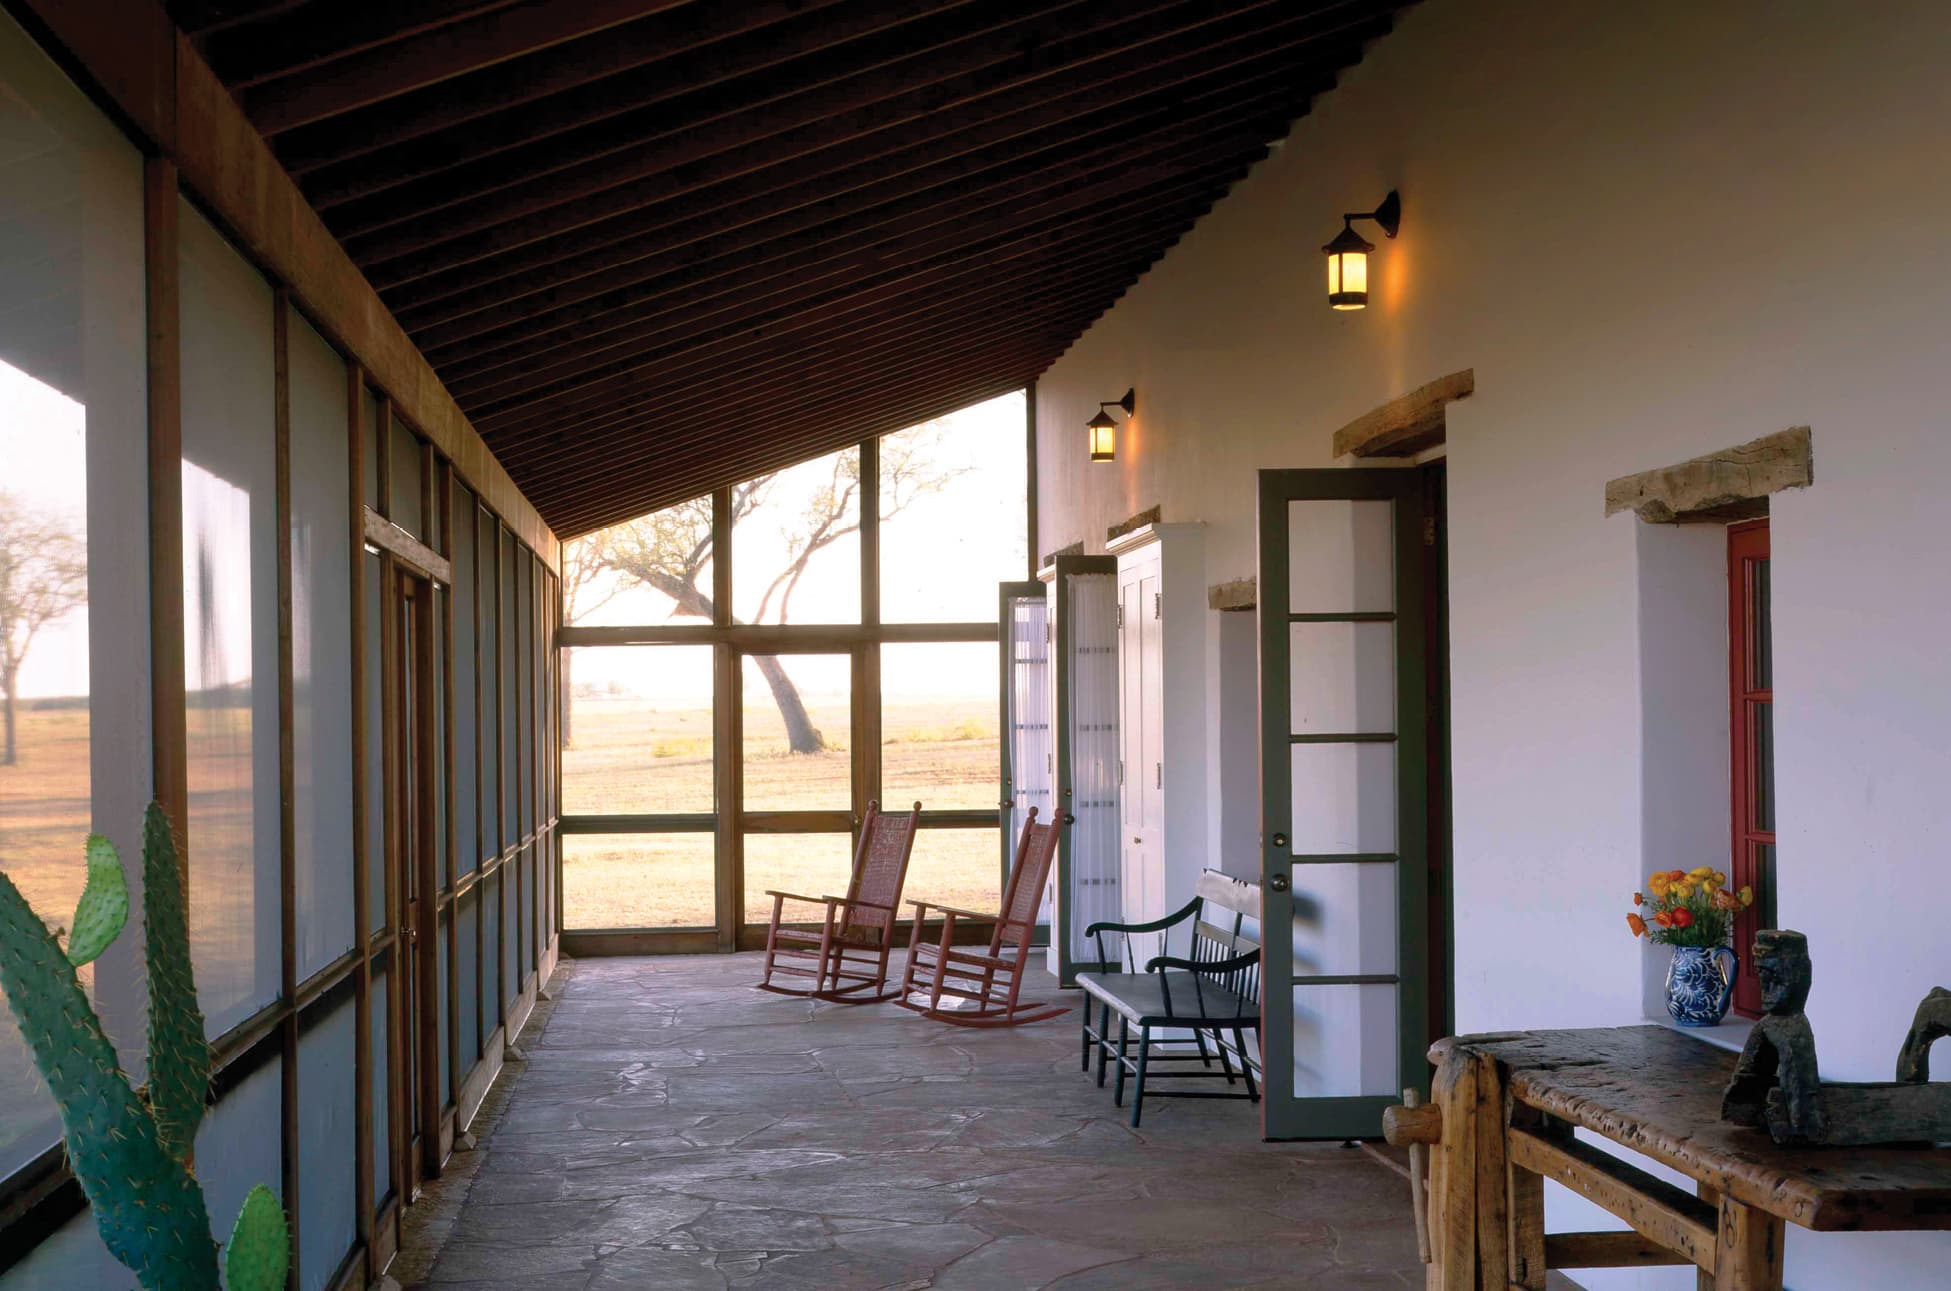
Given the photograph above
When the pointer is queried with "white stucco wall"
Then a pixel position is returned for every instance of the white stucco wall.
(1653, 230)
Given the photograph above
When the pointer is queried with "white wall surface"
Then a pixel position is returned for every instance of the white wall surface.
(1653, 231)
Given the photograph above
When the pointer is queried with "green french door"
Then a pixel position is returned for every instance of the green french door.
(1344, 792)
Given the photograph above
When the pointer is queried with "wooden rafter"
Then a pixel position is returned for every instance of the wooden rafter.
(652, 247)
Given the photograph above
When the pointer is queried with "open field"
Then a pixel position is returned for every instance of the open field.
(638, 756)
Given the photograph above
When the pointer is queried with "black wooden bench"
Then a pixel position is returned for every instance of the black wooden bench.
(1213, 992)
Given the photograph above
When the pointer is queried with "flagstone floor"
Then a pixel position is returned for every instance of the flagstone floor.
(674, 1129)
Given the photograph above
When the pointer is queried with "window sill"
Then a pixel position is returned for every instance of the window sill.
(1731, 1034)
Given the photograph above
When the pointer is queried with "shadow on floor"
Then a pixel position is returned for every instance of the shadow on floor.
(675, 1129)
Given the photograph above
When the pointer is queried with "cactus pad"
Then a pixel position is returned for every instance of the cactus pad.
(149, 1210)
(179, 1057)
(259, 1253)
(104, 904)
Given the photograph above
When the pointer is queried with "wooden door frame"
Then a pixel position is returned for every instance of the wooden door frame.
(1068, 964)
(1354, 1116)
(413, 1026)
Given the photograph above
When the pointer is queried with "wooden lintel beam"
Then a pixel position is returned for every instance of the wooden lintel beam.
(389, 537)
(1406, 425)
(1733, 484)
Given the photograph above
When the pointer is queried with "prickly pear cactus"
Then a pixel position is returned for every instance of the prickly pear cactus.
(259, 1254)
(130, 1153)
(148, 1208)
(104, 904)
(179, 1057)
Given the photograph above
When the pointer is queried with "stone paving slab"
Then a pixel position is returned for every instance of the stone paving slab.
(674, 1128)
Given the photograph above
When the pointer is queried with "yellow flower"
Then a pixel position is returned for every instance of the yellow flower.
(1659, 883)
(1747, 895)
(1720, 878)
(1700, 872)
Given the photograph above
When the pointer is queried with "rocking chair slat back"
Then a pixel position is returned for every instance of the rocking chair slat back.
(880, 871)
(1027, 877)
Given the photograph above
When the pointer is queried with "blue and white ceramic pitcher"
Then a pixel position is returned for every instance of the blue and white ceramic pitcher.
(1700, 985)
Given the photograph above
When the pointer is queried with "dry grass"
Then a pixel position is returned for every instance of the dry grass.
(940, 753)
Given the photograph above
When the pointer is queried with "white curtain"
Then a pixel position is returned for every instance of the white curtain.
(1030, 742)
(1093, 665)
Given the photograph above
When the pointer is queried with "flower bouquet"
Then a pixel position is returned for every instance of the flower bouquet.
(1693, 911)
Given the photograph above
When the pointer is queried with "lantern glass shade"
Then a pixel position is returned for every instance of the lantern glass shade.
(1348, 279)
(1103, 434)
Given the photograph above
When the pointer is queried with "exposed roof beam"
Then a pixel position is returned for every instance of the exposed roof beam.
(385, 70)
(284, 44)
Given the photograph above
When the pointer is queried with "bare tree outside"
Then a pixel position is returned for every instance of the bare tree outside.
(43, 578)
(670, 552)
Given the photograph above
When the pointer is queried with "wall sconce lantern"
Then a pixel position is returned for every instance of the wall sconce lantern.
(1348, 253)
(1103, 432)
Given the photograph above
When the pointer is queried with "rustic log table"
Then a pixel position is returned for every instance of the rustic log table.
(1501, 1122)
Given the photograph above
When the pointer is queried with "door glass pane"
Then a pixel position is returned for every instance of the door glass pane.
(796, 539)
(953, 513)
(1763, 716)
(1031, 750)
(1344, 678)
(798, 730)
(939, 714)
(638, 881)
(812, 865)
(1345, 1041)
(1344, 919)
(638, 734)
(1344, 798)
(1758, 634)
(654, 569)
(1341, 557)
(955, 867)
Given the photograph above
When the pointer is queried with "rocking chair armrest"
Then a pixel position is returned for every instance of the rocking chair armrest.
(1157, 925)
(1234, 965)
(800, 896)
(861, 901)
(959, 914)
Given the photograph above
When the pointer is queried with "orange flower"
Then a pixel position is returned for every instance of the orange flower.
(1637, 924)
(1683, 918)
(1725, 900)
(1664, 919)
(1676, 875)
(1639, 898)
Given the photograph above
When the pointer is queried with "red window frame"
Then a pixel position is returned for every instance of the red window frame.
(1750, 691)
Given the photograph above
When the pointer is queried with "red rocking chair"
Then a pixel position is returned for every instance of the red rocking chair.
(978, 988)
(845, 959)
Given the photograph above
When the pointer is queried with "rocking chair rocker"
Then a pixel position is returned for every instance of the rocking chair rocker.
(976, 988)
(844, 960)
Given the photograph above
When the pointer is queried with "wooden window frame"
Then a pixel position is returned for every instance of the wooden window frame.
(1747, 547)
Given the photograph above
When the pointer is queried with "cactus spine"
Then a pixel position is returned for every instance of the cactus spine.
(131, 1153)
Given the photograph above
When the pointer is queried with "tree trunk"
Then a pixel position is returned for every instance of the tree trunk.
(12, 752)
(801, 735)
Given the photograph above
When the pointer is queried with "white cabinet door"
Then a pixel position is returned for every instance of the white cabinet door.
(1141, 714)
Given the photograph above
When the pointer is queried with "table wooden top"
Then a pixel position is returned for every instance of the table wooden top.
(1658, 1092)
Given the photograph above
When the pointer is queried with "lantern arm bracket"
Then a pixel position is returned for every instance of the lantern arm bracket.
(1388, 214)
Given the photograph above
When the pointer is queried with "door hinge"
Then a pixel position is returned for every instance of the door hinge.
(1156, 613)
(1121, 770)
(1429, 531)
(1161, 774)
(1121, 616)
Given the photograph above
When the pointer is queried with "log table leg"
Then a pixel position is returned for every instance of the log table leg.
(1704, 1280)
(1749, 1249)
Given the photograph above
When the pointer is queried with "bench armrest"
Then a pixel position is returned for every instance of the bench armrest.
(1157, 925)
(1234, 965)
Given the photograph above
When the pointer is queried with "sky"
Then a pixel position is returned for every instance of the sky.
(940, 561)
(44, 464)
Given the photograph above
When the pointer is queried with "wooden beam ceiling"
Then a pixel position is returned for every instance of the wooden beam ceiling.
(654, 247)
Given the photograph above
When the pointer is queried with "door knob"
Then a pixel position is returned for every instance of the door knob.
(1138, 840)
(1278, 882)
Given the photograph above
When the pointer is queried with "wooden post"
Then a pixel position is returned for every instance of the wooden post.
(1527, 1222)
(1704, 1278)
(1749, 1249)
(1454, 1203)
(1493, 1176)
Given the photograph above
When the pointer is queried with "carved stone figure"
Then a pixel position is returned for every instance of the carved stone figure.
(1781, 1050)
